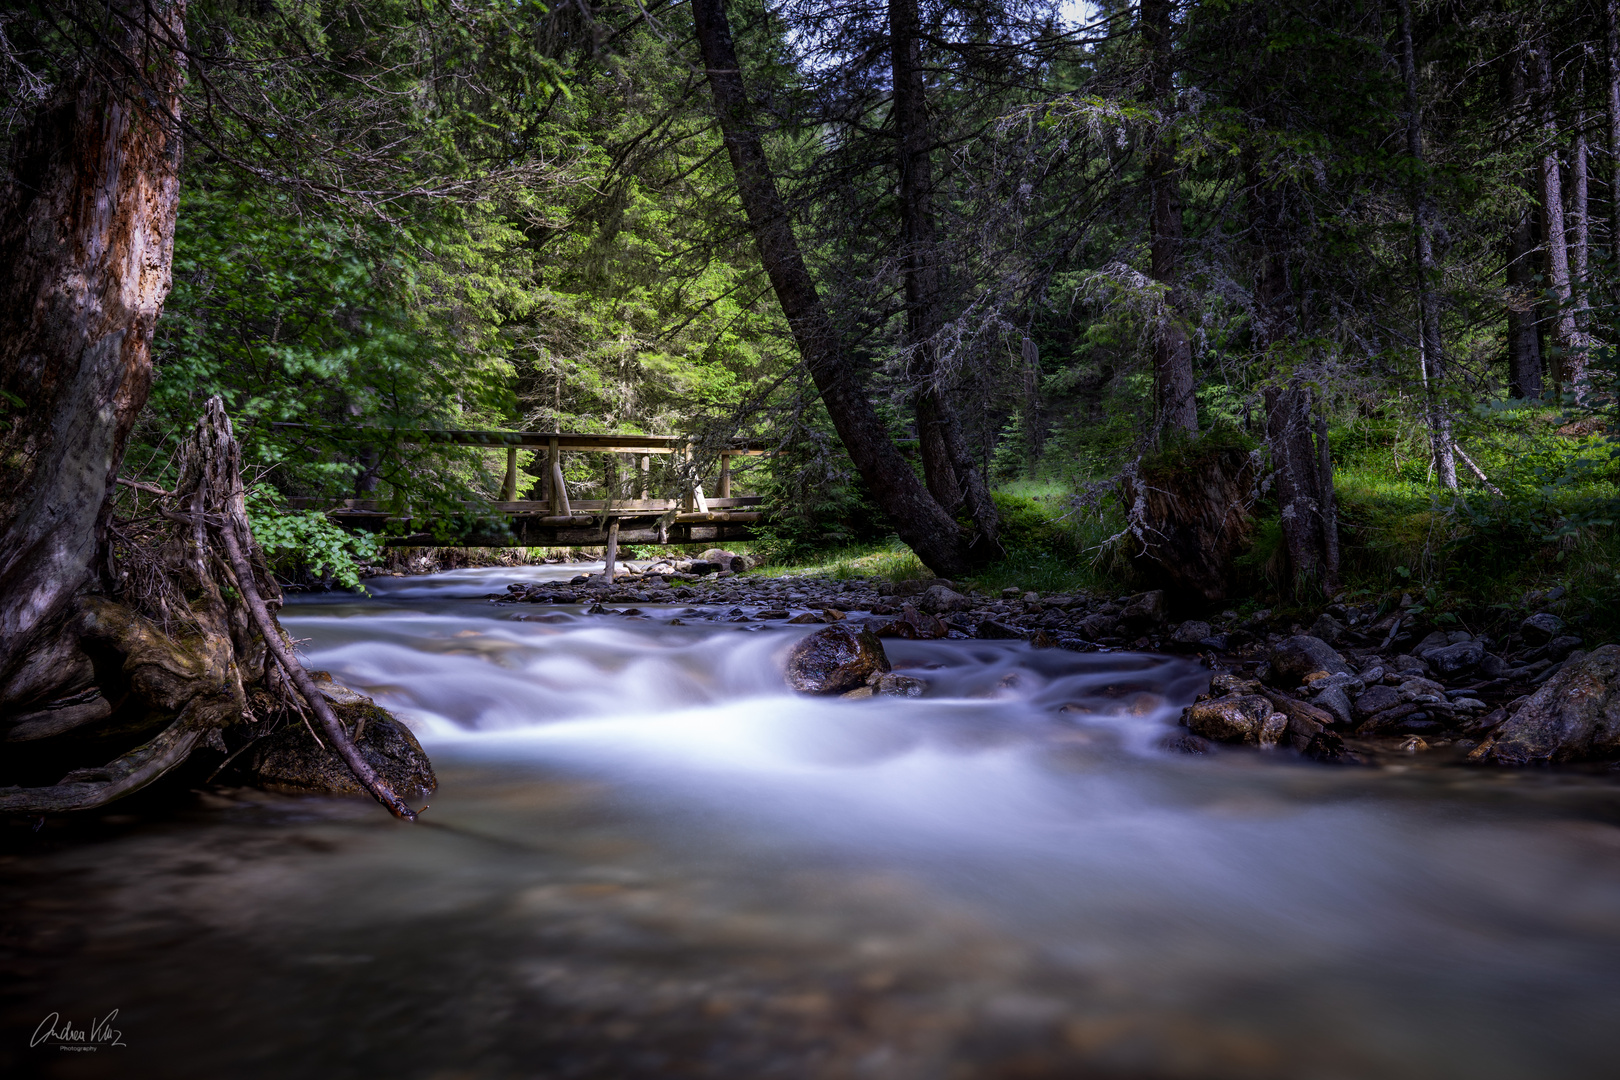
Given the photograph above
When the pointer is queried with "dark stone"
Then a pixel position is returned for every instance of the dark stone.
(991, 630)
(1335, 701)
(1455, 659)
(1191, 632)
(1561, 646)
(1294, 658)
(1376, 700)
(835, 659)
(1185, 742)
(1144, 611)
(289, 760)
(1574, 717)
(1541, 627)
(939, 599)
(1327, 628)
(1099, 626)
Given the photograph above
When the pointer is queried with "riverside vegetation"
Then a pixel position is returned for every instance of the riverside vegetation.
(1308, 310)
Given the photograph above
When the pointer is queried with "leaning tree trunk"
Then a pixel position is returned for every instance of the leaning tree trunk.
(921, 522)
(122, 664)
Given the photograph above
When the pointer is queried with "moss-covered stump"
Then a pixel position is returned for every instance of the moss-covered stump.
(291, 761)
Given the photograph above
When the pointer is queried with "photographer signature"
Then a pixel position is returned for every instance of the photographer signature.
(100, 1033)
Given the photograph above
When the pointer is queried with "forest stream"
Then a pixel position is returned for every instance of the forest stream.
(647, 859)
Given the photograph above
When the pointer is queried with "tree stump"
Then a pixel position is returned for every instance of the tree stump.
(1189, 515)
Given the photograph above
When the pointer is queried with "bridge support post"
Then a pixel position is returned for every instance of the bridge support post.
(509, 485)
(725, 476)
(559, 487)
(646, 476)
(612, 556)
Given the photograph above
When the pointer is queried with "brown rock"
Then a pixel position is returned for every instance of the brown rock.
(833, 660)
(1242, 718)
(1574, 717)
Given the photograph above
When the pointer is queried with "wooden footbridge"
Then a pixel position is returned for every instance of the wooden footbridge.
(556, 520)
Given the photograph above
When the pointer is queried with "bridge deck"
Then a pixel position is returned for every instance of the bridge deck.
(532, 524)
(558, 520)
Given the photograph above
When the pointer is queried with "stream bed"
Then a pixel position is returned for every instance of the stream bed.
(647, 859)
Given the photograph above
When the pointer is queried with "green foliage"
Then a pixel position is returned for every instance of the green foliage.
(307, 544)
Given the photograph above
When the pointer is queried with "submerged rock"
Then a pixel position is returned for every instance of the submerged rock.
(1574, 717)
(290, 760)
(891, 685)
(834, 660)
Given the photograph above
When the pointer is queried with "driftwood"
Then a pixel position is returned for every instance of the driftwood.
(180, 649)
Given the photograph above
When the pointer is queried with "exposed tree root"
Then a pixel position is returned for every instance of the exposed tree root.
(186, 650)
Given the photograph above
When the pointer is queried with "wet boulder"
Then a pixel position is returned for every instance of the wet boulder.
(835, 659)
(1294, 658)
(1238, 718)
(290, 760)
(1574, 717)
(990, 630)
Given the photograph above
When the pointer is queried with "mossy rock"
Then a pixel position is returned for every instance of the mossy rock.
(290, 761)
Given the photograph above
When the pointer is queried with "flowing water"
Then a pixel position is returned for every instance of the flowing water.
(646, 859)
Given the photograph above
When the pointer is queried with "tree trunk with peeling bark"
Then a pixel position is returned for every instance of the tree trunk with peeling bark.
(921, 522)
(124, 646)
(1553, 225)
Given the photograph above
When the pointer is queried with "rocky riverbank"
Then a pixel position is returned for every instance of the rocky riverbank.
(1360, 681)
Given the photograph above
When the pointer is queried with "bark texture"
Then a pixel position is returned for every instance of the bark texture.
(127, 641)
(1611, 27)
(1174, 397)
(1301, 465)
(1191, 511)
(1523, 337)
(86, 233)
(1553, 225)
(919, 519)
(953, 477)
(1431, 348)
